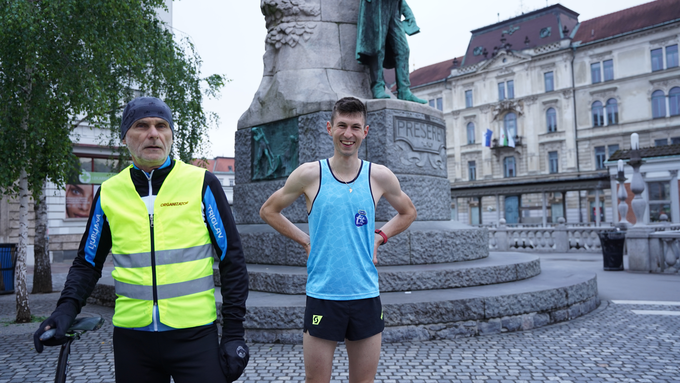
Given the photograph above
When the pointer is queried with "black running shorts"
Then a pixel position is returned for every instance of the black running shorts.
(339, 320)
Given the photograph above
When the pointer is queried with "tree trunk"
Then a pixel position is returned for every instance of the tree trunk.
(21, 291)
(42, 271)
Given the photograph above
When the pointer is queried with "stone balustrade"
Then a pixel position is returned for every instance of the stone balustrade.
(664, 249)
(552, 239)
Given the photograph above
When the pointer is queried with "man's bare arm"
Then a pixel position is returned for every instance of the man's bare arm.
(301, 181)
(387, 185)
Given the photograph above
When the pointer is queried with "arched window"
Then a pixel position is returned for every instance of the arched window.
(509, 130)
(470, 133)
(612, 112)
(551, 119)
(598, 114)
(658, 104)
(674, 101)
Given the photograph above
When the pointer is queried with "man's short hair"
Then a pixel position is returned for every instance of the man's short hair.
(348, 105)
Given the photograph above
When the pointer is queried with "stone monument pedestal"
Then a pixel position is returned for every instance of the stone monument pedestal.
(406, 137)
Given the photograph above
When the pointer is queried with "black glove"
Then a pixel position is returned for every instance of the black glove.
(234, 356)
(60, 320)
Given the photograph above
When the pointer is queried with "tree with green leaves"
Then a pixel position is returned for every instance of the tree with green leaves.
(69, 62)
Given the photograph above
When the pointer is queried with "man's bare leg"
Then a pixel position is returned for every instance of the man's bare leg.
(364, 356)
(318, 355)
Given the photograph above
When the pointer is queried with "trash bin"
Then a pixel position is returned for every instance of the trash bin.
(612, 249)
(8, 261)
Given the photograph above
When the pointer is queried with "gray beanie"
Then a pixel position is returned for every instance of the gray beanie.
(142, 107)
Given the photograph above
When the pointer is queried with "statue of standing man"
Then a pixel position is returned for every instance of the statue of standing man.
(381, 43)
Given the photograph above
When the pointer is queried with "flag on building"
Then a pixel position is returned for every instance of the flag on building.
(487, 137)
(507, 139)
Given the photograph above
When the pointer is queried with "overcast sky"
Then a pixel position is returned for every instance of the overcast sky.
(229, 37)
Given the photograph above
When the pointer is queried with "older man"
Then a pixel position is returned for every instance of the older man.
(164, 221)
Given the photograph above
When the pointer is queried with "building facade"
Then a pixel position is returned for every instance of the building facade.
(539, 102)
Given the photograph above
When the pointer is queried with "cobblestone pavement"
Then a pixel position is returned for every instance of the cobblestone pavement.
(612, 344)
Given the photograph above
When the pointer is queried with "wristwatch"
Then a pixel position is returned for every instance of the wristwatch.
(380, 233)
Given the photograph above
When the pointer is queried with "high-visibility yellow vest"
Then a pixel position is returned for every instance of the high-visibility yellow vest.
(170, 253)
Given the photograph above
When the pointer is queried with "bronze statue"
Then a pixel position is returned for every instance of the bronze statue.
(381, 43)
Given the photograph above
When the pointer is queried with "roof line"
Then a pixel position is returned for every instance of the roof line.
(525, 15)
(627, 33)
(432, 82)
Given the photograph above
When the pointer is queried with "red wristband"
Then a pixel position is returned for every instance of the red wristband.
(380, 233)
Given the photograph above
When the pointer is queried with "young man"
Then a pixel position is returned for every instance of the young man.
(164, 221)
(343, 299)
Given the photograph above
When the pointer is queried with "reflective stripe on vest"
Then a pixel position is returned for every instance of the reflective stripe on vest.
(163, 257)
(182, 251)
(172, 290)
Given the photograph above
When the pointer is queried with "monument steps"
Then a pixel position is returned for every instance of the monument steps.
(444, 313)
(484, 271)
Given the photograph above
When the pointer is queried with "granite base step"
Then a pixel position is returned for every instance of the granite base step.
(550, 297)
(494, 269)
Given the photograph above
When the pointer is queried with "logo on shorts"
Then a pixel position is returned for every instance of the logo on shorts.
(316, 319)
(360, 218)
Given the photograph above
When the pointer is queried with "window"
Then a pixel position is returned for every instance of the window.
(659, 200)
(657, 59)
(231, 182)
(506, 90)
(470, 133)
(612, 112)
(553, 162)
(472, 171)
(431, 102)
(551, 120)
(440, 103)
(661, 142)
(674, 101)
(611, 149)
(658, 104)
(600, 157)
(608, 66)
(509, 130)
(509, 167)
(549, 81)
(595, 72)
(671, 56)
(675, 140)
(598, 114)
(468, 98)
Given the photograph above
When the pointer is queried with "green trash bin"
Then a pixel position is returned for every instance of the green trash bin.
(8, 262)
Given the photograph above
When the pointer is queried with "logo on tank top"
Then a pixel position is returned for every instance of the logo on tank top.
(360, 218)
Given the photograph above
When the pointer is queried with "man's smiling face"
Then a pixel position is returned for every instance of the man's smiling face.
(149, 141)
(348, 131)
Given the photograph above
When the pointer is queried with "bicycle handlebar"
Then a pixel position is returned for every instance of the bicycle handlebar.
(80, 324)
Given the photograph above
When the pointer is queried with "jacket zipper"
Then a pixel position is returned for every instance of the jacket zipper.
(153, 262)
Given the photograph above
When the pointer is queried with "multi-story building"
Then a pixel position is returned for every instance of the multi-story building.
(555, 97)
(223, 169)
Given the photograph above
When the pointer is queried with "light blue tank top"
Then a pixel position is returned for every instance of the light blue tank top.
(341, 229)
